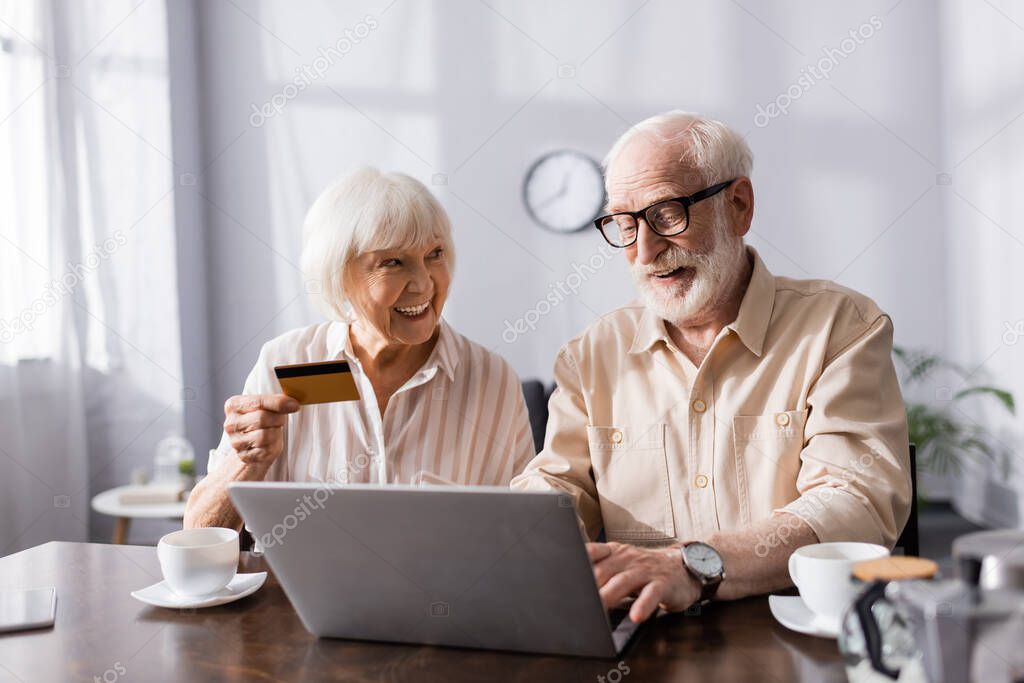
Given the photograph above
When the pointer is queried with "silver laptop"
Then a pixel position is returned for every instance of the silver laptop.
(481, 567)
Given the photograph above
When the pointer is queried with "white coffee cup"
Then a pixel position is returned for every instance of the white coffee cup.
(822, 574)
(198, 561)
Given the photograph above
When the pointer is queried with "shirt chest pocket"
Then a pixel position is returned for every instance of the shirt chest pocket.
(631, 475)
(767, 451)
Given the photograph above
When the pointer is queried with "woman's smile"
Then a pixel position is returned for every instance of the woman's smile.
(413, 311)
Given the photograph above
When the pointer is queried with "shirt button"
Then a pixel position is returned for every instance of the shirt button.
(701, 481)
(699, 406)
(616, 436)
(782, 419)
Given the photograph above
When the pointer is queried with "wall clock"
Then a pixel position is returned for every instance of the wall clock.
(564, 191)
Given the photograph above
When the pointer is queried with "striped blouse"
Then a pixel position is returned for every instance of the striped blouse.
(461, 417)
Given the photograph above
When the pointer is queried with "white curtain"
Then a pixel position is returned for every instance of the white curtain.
(89, 346)
(983, 73)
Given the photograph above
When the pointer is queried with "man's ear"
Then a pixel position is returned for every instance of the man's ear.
(739, 200)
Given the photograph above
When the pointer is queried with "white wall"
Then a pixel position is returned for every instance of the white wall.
(845, 182)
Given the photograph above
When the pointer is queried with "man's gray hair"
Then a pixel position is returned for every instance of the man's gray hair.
(366, 211)
(709, 147)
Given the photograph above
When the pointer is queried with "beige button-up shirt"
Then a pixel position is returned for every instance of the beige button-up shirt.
(796, 408)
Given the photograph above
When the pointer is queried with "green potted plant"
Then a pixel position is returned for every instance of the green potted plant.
(945, 435)
(187, 470)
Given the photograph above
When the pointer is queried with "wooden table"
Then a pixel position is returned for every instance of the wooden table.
(103, 634)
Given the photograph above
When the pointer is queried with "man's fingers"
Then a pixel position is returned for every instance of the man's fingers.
(275, 403)
(620, 587)
(605, 572)
(647, 602)
(598, 551)
(622, 571)
(611, 565)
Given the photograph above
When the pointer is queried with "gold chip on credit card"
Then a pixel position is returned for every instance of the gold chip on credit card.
(323, 382)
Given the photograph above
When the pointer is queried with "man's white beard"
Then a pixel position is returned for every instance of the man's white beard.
(714, 274)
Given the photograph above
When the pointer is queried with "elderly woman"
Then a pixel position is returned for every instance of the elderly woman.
(433, 405)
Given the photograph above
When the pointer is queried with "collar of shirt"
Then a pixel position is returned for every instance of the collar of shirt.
(443, 357)
(751, 324)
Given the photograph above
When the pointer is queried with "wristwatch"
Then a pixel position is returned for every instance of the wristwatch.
(704, 564)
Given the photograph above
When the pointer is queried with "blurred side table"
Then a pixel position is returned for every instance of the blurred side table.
(109, 503)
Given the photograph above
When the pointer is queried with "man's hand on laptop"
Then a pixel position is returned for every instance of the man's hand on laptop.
(656, 577)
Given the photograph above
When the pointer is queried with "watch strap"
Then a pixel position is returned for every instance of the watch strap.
(708, 589)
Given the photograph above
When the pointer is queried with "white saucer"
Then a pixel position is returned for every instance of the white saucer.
(791, 612)
(160, 594)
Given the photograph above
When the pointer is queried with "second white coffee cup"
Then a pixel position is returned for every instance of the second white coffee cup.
(198, 561)
(822, 574)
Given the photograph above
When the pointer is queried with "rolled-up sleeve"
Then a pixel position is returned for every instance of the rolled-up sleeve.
(854, 478)
(564, 463)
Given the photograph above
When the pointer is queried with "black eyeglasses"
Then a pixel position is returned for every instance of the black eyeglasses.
(668, 218)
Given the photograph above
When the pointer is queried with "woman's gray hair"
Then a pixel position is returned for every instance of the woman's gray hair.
(709, 147)
(366, 211)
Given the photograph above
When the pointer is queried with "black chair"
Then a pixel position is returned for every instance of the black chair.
(536, 398)
(909, 540)
(245, 540)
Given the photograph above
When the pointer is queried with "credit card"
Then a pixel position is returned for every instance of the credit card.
(323, 382)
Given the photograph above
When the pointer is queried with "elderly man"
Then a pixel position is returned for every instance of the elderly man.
(731, 415)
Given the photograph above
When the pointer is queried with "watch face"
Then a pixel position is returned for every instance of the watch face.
(564, 191)
(703, 559)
